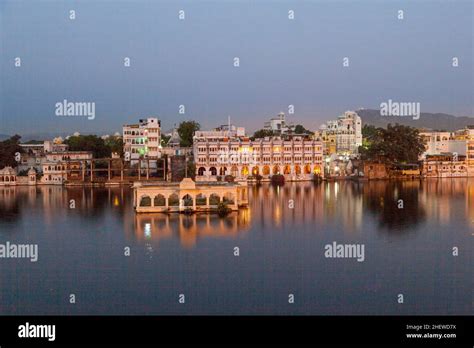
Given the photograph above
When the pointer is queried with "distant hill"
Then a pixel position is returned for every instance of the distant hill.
(427, 120)
(4, 137)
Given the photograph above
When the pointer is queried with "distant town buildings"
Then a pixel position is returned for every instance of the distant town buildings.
(38, 156)
(142, 140)
(279, 125)
(222, 132)
(342, 136)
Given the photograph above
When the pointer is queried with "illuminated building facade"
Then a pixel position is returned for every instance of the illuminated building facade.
(142, 140)
(342, 136)
(297, 157)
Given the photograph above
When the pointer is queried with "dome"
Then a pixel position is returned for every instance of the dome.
(8, 171)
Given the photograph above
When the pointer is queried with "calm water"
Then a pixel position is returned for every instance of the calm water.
(81, 251)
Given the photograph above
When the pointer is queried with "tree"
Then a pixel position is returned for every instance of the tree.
(89, 143)
(299, 129)
(164, 139)
(8, 150)
(368, 134)
(186, 131)
(115, 144)
(262, 133)
(396, 144)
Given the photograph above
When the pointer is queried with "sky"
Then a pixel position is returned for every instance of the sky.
(190, 62)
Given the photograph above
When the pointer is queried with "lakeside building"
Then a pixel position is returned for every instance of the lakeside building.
(142, 140)
(342, 136)
(295, 157)
(444, 166)
(443, 142)
(279, 125)
(9, 177)
(35, 155)
(188, 195)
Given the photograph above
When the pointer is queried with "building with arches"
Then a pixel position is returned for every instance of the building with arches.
(167, 197)
(295, 157)
(8, 177)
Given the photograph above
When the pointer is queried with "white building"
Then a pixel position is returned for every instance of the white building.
(442, 142)
(35, 155)
(278, 124)
(342, 136)
(222, 132)
(54, 173)
(142, 140)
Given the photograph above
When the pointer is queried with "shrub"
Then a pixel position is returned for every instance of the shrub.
(278, 179)
(223, 210)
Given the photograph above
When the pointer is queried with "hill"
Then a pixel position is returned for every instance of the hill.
(437, 121)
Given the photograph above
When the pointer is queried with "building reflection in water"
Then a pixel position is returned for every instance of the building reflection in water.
(271, 208)
(189, 228)
(396, 205)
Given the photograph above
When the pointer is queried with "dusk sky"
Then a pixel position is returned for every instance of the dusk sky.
(190, 61)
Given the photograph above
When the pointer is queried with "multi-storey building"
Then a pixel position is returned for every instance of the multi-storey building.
(297, 158)
(469, 131)
(444, 166)
(142, 140)
(442, 142)
(342, 136)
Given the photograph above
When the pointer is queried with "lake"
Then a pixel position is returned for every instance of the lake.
(92, 245)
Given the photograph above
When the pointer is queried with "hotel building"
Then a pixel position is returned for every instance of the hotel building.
(142, 140)
(297, 157)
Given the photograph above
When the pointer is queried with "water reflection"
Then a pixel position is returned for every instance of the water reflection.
(273, 208)
(189, 228)
(396, 205)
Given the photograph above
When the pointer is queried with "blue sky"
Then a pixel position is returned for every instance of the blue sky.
(190, 62)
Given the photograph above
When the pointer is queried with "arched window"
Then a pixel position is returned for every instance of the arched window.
(187, 201)
(173, 200)
(145, 201)
(214, 199)
(234, 171)
(201, 199)
(159, 201)
(213, 171)
(201, 171)
(228, 198)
